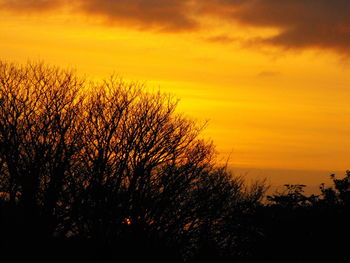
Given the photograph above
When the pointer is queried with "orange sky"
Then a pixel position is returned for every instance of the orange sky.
(274, 87)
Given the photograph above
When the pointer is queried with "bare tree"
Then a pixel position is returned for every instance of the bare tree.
(110, 162)
(39, 134)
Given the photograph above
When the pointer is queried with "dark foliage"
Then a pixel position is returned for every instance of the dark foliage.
(301, 228)
(108, 172)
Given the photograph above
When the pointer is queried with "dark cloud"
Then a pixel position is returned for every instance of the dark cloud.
(302, 23)
(167, 15)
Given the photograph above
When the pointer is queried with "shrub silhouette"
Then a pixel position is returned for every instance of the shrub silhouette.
(339, 193)
(113, 168)
(306, 228)
(293, 197)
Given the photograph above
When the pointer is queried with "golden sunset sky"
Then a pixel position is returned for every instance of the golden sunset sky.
(272, 77)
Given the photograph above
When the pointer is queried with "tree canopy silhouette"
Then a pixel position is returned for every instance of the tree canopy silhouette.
(113, 165)
(105, 171)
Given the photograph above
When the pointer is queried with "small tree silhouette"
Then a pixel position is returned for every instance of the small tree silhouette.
(339, 193)
(293, 197)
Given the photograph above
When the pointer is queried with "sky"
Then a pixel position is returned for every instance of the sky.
(270, 77)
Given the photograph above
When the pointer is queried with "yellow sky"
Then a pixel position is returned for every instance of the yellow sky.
(268, 108)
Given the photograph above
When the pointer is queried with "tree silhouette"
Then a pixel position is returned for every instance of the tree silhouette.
(293, 197)
(39, 110)
(111, 167)
(339, 193)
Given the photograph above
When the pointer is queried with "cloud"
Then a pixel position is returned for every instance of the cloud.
(268, 74)
(168, 15)
(222, 39)
(303, 23)
(30, 5)
(323, 24)
(165, 15)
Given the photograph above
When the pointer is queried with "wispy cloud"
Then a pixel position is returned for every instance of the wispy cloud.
(30, 5)
(268, 74)
(224, 39)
